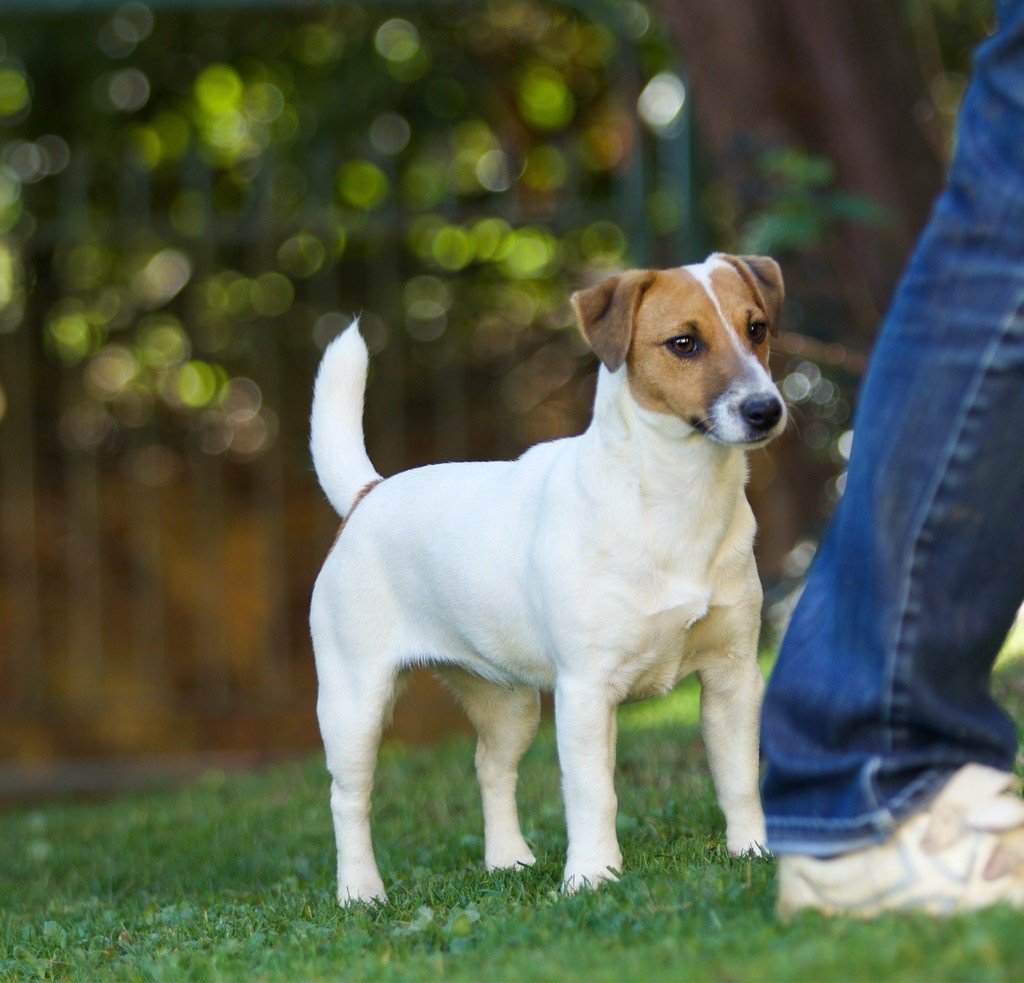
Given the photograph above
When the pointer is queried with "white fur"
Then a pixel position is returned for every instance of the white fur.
(336, 424)
(604, 567)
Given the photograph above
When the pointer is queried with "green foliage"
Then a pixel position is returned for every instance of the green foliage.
(803, 205)
(233, 879)
(206, 172)
(217, 171)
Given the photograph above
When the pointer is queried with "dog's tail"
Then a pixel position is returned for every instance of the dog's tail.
(336, 424)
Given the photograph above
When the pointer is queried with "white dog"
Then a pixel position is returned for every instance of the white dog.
(604, 567)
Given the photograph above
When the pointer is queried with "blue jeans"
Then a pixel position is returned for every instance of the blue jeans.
(882, 685)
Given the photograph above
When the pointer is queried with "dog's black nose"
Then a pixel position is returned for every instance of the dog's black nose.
(762, 411)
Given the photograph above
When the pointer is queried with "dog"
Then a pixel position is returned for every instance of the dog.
(604, 567)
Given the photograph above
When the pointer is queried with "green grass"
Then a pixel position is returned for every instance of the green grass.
(233, 878)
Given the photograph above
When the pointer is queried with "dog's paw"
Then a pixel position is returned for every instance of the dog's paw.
(577, 880)
(366, 890)
(515, 853)
(748, 845)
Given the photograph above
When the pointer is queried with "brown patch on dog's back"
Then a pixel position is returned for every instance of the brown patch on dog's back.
(363, 492)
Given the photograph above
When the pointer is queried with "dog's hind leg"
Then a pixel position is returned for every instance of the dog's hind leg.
(506, 721)
(351, 721)
(356, 695)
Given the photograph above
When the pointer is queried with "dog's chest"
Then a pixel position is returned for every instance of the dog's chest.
(655, 659)
(668, 601)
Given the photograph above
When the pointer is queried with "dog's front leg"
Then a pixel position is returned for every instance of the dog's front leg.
(730, 709)
(585, 729)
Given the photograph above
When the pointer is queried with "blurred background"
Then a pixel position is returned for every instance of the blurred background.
(195, 197)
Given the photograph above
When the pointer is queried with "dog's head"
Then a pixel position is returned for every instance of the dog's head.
(694, 342)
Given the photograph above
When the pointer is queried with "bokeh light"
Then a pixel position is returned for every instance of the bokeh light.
(661, 103)
(545, 99)
(15, 93)
(362, 184)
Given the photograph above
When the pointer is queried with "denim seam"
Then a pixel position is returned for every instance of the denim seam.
(871, 768)
(881, 820)
(902, 641)
(925, 779)
(818, 839)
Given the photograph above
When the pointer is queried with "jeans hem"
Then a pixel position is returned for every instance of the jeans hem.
(826, 837)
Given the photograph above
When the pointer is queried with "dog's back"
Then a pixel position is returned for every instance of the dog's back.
(444, 554)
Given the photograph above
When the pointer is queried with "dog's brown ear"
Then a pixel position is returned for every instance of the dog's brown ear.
(606, 313)
(767, 278)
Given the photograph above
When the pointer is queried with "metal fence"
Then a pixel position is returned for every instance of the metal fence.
(154, 577)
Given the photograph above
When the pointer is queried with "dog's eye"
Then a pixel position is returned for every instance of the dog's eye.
(758, 331)
(684, 345)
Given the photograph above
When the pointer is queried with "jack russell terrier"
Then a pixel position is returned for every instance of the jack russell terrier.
(604, 567)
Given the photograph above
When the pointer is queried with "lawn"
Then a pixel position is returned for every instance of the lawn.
(233, 878)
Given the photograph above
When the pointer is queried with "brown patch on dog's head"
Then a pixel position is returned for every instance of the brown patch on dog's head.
(763, 276)
(688, 336)
(606, 314)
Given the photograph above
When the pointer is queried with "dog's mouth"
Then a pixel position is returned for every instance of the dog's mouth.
(748, 441)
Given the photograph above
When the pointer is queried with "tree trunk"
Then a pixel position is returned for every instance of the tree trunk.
(835, 78)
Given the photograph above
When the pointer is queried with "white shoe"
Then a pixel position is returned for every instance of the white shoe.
(964, 851)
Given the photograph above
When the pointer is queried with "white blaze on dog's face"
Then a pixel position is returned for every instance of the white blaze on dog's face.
(695, 342)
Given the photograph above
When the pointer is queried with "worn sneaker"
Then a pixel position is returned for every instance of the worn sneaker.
(964, 851)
